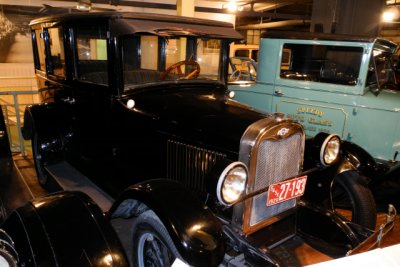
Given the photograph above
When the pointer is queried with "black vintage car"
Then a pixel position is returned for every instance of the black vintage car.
(137, 104)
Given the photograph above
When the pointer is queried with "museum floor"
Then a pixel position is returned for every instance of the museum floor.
(25, 184)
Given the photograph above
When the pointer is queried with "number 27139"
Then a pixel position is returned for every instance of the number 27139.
(286, 190)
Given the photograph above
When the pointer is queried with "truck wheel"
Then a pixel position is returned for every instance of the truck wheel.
(152, 245)
(350, 194)
(39, 160)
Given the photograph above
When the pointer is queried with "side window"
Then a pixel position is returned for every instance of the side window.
(92, 54)
(254, 55)
(321, 63)
(242, 53)
(149, 48)
(57, 59)
(208, 52)
(39, 38)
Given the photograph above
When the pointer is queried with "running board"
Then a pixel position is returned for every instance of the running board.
(70, 179)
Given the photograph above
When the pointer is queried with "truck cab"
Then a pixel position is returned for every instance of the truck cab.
(331, 83)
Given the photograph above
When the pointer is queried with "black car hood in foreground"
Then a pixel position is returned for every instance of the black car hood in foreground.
(204, 113)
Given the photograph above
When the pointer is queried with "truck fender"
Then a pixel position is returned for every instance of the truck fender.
(358, 159)
(195, 231)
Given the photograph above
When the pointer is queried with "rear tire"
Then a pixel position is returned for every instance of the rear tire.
(350, 193)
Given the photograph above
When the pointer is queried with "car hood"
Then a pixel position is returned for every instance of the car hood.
(198, 113)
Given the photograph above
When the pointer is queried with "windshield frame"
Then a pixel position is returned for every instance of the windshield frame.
(374, 71)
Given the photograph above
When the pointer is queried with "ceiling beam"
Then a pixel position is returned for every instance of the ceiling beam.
(275, 24)
(252, 14)
(265, 7)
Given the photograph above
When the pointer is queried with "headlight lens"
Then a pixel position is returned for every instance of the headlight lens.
(232, 183)
(330, 150)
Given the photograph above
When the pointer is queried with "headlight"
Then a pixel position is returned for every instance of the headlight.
(232, 183)
(330, 150)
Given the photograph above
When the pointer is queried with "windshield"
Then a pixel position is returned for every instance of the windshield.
(381, 70)
(242, 69)
(150, 58)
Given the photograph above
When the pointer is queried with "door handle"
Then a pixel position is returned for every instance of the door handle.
(279, 92)
(68, 100)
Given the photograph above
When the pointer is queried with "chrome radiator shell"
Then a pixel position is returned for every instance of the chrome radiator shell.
(273, 150)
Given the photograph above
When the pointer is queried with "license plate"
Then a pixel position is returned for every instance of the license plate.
(286, 190)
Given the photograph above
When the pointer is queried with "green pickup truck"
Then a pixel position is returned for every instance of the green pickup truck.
(336, 84)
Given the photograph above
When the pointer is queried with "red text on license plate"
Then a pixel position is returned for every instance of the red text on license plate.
(286, 190)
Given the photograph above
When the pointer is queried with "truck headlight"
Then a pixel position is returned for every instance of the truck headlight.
(232, 183)
(330, 150)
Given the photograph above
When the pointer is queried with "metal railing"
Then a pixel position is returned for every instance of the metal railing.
(16, 92)
(13, 107)
(13, 103)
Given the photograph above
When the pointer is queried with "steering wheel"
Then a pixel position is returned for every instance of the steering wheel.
(192, 75)
(235, 76)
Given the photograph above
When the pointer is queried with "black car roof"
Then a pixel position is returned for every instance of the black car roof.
(132, 22)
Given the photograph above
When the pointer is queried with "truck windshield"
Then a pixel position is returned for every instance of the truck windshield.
(151, 58)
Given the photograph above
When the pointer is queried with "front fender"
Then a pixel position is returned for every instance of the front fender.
(195, 231)
(326, 230)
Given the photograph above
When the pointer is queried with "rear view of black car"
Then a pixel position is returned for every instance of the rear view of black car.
(137, 104)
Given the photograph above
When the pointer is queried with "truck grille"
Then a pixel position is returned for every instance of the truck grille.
(189, 164)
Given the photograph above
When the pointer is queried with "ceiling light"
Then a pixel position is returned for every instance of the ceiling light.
(232, 6)
(390, 14)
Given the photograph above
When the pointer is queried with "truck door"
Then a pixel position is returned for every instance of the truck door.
(318, 84)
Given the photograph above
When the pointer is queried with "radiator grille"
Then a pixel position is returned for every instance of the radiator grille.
(276, 160)
(189, 164)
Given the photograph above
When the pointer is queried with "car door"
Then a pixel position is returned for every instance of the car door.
(90, 146)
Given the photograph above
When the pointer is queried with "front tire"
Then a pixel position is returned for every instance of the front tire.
(350, 193)
(152, 245)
